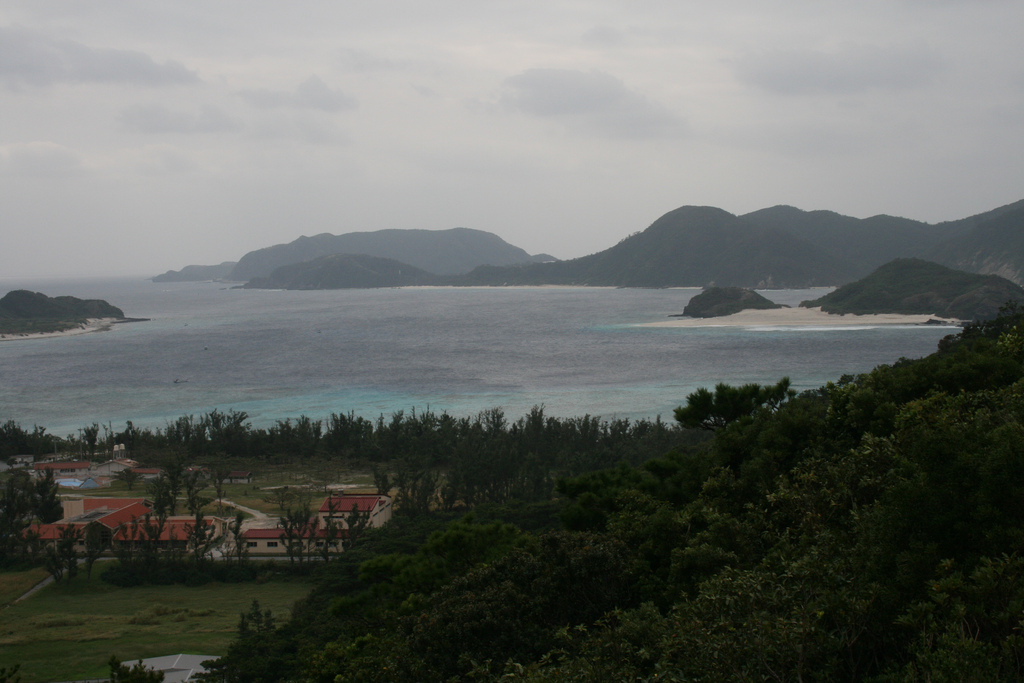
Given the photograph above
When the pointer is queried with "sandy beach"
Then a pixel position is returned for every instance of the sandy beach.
(90, 325)
(797, 317)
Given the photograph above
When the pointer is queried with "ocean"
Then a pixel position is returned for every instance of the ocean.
(281, 354)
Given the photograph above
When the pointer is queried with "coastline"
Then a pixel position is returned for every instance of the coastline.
(90, 325)
(799, 317)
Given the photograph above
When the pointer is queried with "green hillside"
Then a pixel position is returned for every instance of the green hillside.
(693, 246)
(994, 246)
(718, 301)
(913, 286)
(865, 243)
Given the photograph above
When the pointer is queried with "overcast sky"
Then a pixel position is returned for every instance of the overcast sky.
(137, 137)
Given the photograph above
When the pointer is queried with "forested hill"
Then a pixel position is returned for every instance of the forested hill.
(994, 244)
(441, 252)
(692, 246)
(913, 286)
(864, 243)
(870, 530)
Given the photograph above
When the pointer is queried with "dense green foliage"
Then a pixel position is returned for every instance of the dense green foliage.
(868, 531)
(24, 500)
(912, 286)
(718, 301)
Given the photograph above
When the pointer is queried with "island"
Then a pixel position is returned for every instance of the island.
(197, 273)
(917, 287)
(25, 314)
(714, 302)
(345, 271)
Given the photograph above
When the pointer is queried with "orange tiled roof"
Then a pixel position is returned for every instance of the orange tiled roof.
(89, 504)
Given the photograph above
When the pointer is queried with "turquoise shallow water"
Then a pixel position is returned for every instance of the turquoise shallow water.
(277, 354)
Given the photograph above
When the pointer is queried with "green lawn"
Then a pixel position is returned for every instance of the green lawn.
(15, 584)
(68, 632)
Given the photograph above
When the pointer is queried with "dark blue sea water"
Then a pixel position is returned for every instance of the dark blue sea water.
(277, 354)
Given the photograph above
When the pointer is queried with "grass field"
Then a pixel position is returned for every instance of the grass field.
(68, 632)
(15, 584)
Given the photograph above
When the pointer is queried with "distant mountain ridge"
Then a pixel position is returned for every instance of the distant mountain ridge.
(441, 252)
(197, 273)
(692, 246)
(864, 243)
(780, 247)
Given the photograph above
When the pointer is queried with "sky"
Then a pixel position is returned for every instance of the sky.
(138, 137)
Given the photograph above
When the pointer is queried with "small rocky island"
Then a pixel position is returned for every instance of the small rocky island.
(32, 313)
(714, 302)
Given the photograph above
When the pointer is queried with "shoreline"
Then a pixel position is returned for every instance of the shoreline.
(90, 325)
(802, 317)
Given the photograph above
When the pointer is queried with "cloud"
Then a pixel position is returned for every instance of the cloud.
(312, 93)
(160, 160)
(156, 118)
(302, 128)
(41, 160)
(850, 70)
(592, 98)
(603, 37)
(359, 60)
(29, 59)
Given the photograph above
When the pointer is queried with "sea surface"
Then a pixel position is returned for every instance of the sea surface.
(280, 354)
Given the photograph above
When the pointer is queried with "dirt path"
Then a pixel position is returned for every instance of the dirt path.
(259, 520)
(47, 581)
(39, 586)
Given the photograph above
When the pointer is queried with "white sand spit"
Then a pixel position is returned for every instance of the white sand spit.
(797, 317)
(90, 325)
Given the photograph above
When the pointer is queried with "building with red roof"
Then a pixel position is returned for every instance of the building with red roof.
(147, 472)
(339, 507)
(122, 520)
(174, 532)
(67, 469)
(275, 541)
